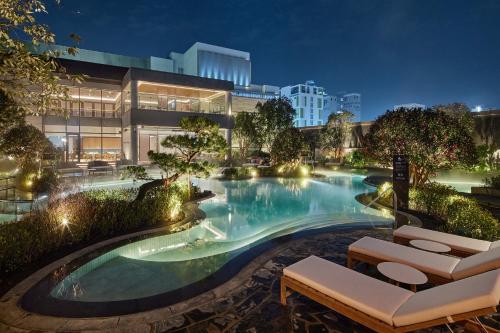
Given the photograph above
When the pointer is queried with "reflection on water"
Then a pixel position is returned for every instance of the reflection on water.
(242, 214)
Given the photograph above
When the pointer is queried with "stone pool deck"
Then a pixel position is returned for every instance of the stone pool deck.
(249, 302)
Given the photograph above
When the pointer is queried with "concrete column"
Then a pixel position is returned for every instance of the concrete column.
(134, 144)
(229, 132)
(134, 135)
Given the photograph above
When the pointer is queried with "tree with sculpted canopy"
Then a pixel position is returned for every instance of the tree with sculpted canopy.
(30, 75)
(273, 116)
(432, 139)
(201, 137)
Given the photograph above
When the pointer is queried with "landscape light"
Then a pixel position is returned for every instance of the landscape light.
(64, 221)
(304, 170)
(253, 173)
(385, 186)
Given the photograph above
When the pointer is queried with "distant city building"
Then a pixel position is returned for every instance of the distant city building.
(410, 106)
(350, 102)
(330, 106)
(307, 100)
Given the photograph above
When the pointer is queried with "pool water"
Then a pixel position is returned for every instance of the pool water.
(240, 216)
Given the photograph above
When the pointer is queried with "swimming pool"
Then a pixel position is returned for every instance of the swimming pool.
(243, 216)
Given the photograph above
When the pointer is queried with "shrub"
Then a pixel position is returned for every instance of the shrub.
(237, 173)
(457, 214)
(83, 217)
(46, 182)
(431, 198)
(261, 154)
(493, 182)
(467, 218)
(285, 170)
(356, 159)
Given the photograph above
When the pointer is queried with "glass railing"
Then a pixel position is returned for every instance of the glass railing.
(87, 113)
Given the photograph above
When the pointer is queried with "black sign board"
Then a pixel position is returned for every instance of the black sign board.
(400, 168)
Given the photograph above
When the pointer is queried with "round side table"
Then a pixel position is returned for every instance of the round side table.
(401, 273)
(430, 246)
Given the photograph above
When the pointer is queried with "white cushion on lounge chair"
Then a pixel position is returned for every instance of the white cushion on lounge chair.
(455, 242)
(470, 294)
(477, 263)
(373, 297)
(495, 244)
(424, 261)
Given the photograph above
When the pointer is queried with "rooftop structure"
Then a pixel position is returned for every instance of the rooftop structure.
(410, 106)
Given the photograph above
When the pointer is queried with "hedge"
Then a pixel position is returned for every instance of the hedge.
(455, 213)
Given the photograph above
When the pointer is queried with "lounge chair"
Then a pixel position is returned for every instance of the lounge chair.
(460, 246)
(384, 307)
(438, 268)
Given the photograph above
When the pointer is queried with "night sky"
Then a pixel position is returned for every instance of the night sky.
(392, 52)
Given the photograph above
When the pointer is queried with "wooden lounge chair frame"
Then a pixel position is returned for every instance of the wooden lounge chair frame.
(455, 252)
(373, 323)
(354, 258)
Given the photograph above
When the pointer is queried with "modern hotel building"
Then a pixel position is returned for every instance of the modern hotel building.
(127, 105)
(313, 105)
(307, 101)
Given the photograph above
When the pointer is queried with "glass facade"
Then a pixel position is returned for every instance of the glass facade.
(150, 138)
(96, 124)
(87, 125)
(181, 99)
(89, 102)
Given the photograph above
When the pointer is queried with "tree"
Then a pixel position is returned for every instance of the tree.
(333, 135)
(287, 147)
(201, 136)
(273, 116)
(312, 142)
(461, 112)
(245, 132)
(432, 139)
(26, 144)
(10, 113)
(29, 72)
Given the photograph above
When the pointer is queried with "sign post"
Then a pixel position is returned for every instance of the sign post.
(400, 186)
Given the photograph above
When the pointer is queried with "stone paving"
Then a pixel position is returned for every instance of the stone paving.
(247, 303)
(255, 306)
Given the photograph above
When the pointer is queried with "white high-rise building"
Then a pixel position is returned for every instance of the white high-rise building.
(307, 100)
(350, 102)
